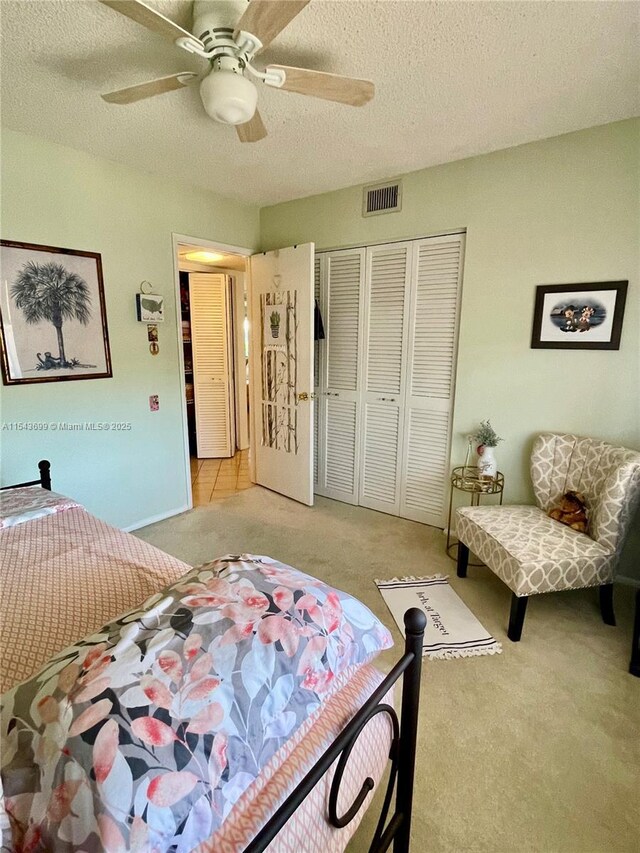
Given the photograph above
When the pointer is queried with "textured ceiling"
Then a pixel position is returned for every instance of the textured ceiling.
(453, 79)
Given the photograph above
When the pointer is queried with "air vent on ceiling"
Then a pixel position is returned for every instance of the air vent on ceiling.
(382, 198)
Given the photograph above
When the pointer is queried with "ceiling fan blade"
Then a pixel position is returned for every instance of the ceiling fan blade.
(320, 84)
(265, 19)
(148, 90)
(252, 130)
(149, 18)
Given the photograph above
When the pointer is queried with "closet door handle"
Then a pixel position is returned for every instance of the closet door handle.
(387, 399)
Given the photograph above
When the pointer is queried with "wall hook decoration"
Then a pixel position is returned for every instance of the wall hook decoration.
(149, 306)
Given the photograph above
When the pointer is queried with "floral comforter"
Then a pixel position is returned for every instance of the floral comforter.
(144, 735)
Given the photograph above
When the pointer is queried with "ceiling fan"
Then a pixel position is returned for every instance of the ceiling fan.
(228, 92)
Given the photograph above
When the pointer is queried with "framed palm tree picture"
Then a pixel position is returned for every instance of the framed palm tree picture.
(53, 322)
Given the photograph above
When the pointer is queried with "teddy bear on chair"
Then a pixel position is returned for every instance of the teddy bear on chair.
(572, 511)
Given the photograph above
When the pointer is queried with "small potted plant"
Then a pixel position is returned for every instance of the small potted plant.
(274, 320)
(486, 439)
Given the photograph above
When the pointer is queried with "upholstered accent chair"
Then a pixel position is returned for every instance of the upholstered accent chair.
(533, 553)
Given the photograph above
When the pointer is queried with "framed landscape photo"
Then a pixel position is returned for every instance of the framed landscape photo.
(579, 316)
(53, 322)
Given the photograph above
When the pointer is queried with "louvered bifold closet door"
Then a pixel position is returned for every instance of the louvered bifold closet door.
(343, 293)
(385, 334)
(210, 341)
(318, 360)
(431, 362)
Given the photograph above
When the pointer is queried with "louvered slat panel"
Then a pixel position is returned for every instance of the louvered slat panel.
(316, 344)
(431, 366)
(426, 465)
(341, 446)
(388, 274)
(342, 276)
(380, 458)
(436, 307)
(211, 363)
(208, 327)
(343, 298)
(212, 416)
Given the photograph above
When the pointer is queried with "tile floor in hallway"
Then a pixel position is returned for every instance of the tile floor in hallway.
(217, 478)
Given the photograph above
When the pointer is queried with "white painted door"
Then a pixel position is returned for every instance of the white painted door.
(385, 337)
(282, 357)
(431, 366)
(342, 273)
(212, 364)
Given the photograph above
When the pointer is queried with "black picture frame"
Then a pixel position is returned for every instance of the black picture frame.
(555, 327)
(65, 366)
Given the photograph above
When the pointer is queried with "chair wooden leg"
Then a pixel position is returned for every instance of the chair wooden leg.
(516, 617)
(606, 604)
(463, 560)
(634, 665)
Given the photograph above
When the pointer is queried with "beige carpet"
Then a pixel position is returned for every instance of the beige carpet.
(536, 749)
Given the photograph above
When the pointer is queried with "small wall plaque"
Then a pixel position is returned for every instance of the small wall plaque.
(150, 308)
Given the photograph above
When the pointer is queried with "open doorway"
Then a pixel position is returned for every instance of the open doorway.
(267, 373)
(211, 295)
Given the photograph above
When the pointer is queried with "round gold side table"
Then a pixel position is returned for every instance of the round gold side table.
(465, 478)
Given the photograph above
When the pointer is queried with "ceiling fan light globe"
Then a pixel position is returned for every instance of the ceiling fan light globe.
(228, 97)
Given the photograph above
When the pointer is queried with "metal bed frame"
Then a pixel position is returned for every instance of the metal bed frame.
(402, 756)
(44, 466)
(395, 829)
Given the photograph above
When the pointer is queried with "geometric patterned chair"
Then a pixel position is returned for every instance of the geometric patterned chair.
(533, 553)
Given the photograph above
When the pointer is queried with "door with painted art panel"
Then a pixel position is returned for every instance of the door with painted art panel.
(385, 327)
(433, 311)
(282, 369)
(342, 286)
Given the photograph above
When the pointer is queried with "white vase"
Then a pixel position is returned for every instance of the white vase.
(487, 465)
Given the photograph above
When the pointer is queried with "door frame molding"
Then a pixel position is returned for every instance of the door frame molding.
(176, 240)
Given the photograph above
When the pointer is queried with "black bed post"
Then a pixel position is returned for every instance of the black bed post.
(45, 473)
(414, 624)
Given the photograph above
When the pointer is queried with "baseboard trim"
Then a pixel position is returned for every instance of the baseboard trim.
(623, 579)
(155, 518)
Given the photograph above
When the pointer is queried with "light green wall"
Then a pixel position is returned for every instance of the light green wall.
(61, 197)
(563, 210)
